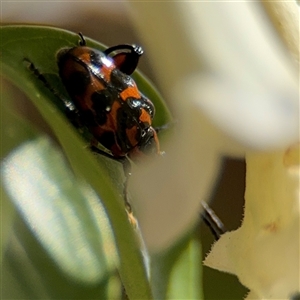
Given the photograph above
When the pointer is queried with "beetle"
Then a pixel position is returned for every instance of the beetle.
(105, 99)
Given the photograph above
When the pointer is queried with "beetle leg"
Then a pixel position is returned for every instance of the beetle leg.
(212, 221)
(106, 154)
(127, 172)
(70, 109)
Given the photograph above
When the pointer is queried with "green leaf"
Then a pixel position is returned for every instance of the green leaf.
(70, 248)
(65, 215)
(177, 271)
(40, 45)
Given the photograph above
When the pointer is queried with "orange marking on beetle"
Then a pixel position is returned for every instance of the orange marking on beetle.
(95, 85)
(85, 100)
(85, 56)
(131, 135)
(145, 117)
(106, 71)
(112, 121)
(131, 91)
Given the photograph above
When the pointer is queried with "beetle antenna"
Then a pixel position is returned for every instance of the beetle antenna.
(82, 40)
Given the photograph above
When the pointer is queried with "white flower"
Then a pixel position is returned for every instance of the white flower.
(264, 251)
(234, 88)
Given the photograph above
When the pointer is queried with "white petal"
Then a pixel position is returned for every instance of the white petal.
(264, 252)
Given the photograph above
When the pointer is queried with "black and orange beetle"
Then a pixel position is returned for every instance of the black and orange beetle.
(105, 99)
